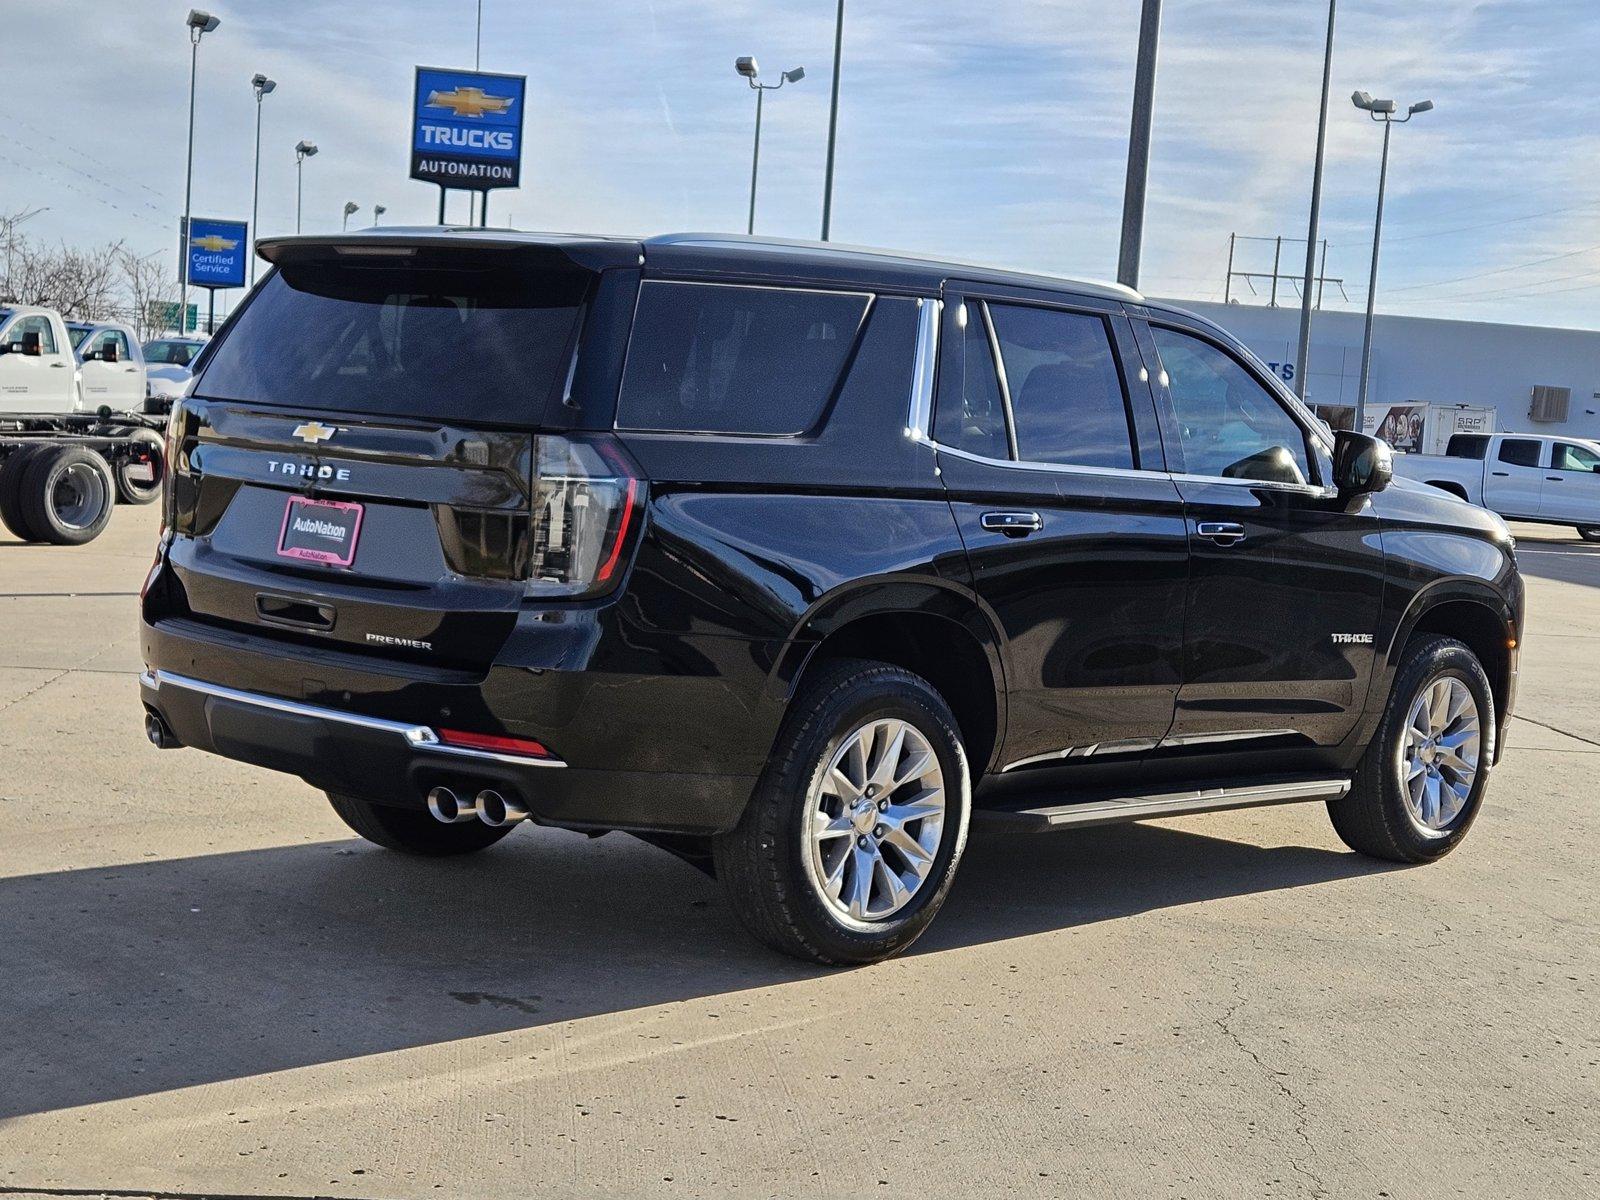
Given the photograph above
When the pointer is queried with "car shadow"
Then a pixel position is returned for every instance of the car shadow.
(130, 980)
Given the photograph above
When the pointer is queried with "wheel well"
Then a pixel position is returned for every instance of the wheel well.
(941, 651)
(1455, 489)
(1483, 632)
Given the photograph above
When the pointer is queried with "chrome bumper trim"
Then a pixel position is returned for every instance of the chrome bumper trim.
(419, 737)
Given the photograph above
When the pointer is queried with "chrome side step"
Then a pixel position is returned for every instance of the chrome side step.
(1112, 810)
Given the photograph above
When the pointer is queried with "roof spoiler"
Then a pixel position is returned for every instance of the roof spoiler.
(594, 253)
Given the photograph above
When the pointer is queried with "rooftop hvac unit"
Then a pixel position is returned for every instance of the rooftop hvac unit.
(1549, 403)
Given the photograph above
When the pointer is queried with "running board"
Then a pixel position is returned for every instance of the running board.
(1116, 809)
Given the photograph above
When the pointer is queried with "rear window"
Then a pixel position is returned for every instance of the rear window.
(714, 358)
(477, 339)
(1467, 445)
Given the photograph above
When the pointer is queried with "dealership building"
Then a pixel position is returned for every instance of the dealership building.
(1530, 379)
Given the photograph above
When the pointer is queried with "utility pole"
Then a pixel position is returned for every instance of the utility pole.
(1133, 192)
(833, 123)
(1302, 360)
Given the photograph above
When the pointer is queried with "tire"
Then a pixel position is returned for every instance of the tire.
(1375, 817)
(137, 491)
(769, 863)
(11, 472)
(413, 830)
(1589, 533)
(67, 495)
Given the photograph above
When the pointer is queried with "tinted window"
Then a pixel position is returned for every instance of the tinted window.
(1575, 458)
(1519, 452)
(1066, 392)
(1467, 445)
(978, 423)
(483, 339)
(710, 358)
(170, 353)
(1230, 425)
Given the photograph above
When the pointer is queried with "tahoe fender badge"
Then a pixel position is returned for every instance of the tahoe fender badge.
(1352, 639)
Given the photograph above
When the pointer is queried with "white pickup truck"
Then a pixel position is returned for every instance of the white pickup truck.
(1521, 476)
(48, 365)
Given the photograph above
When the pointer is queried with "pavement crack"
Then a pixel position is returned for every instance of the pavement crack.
(1577, 737)
(1301, 1166)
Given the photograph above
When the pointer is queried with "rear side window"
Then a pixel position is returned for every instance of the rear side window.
(1519, 452)
(1467, 445)
(723, 358)
(1575, 458)
(478, 339)
(1066, 392)
(978, 424)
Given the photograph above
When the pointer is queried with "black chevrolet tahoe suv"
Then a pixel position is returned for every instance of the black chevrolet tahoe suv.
(794, 560)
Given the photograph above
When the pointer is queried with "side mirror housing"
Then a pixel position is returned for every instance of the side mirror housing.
(108, 352)
(32, 345)
(1362, 464)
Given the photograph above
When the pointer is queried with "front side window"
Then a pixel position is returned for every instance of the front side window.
(1519, 452)
(1230, 425)
(1066, 393)
(1575, 458)
(721, 358)
(23, 326)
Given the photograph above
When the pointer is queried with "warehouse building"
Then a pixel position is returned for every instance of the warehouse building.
(1518, 378)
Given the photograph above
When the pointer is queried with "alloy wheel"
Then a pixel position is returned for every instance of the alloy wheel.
(1439, 754)
(875, 819)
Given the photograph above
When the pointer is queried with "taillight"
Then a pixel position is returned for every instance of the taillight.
(170, 449)
(587, 503)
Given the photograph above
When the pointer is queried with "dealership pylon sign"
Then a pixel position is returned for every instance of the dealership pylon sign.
(466, 129)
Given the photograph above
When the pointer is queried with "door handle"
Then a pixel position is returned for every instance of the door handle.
(1012, 524)
(1501, 474)
(1552, 479)
(59, 366)
(1223, 533)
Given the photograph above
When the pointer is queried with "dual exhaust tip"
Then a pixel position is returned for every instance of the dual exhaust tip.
(488, 806)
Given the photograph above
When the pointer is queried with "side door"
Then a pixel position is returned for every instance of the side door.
(110, 373)
(36, 372)
(1286, 580)
(1051, 458)
(1513, 477)
(1572, 484)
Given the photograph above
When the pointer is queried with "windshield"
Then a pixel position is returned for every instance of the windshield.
(177, 354)
(474, 338)
(78, 333)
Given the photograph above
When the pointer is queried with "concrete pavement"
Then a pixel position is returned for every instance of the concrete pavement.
(207, 986)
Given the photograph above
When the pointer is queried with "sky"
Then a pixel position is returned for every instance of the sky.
(993, 132)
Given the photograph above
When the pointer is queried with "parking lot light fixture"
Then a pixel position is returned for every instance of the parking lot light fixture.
(751, 71)
(262, 87)
(302, 151)
(350, 209)
(1384, 111)
(377, 211)
(200, 23)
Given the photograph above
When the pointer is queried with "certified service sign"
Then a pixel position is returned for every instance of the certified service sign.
(467, 129)
(216, 252)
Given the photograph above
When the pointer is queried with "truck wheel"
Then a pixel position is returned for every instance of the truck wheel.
(1422, 780)
(1589, 533)
(12, 471)
(850, 843)
(412, 830)
(67, 495)
(141, 491)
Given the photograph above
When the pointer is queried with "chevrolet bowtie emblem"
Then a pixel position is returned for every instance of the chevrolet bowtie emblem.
(314, 432)
(469, 101)
(214, 242)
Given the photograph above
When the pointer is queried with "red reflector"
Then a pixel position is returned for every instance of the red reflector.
(499, 745)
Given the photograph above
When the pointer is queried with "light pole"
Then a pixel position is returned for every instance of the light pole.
(1378, 110)
(1302, 360)
(377, 211)
(263, 86)
(200, 23)
(752, 75)
(1133, 188)
(833, 123)
(302, 151)
(350, 209)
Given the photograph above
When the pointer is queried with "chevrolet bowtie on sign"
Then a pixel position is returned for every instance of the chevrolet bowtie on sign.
(467, 129)
(216, 252)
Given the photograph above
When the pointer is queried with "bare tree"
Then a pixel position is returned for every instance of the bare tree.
(143, 280)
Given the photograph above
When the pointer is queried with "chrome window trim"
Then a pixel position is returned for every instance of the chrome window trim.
(1057, 468)
(419, 737)
(919, 418)
(999, 365)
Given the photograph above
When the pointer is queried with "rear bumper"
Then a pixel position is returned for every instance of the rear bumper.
(397, 762)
